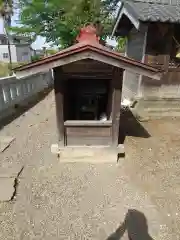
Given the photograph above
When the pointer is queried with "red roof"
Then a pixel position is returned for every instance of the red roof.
(88, 40)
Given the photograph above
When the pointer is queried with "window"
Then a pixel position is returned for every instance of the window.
(5, 55)
(3, 41)
(17, 40)
(25, 56)
(25, 53)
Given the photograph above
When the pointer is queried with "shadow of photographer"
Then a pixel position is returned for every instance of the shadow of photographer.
(135, 224)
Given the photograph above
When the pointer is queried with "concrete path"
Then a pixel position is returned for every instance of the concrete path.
(73, 201)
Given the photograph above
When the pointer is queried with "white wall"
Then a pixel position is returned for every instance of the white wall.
(1, 25)
(15, 91)
(4, 49)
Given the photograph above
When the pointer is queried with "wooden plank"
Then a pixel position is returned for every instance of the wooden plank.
(88, 141)
(79, 123)
(109, 104)
(136, 41)
(126, 65)
(116, 104)
(168, 46)
(87, 66)
(89, 131)
(92, 76)
(59, 99)
(164, 39)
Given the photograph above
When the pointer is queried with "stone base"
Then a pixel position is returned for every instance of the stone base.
(91, 154)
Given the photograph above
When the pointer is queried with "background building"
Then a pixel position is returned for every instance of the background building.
(21, 50)
(152, 29)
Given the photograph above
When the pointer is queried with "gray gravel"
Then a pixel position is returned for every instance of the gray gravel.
(85, 201)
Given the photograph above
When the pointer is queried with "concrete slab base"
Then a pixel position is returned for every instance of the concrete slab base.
(10, 171)
(6, 189)
(90, 154)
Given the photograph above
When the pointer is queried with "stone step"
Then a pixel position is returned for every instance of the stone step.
(161, 110)
(156, 112)
(153, 115)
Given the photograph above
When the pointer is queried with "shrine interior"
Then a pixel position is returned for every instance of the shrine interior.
(87, 99)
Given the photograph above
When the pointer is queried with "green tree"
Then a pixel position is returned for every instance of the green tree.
(35, 58)
(51, 51)
(59, 21)
(121, 44)
(6, 11)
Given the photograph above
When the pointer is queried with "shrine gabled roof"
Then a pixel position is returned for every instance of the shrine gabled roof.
(87, 48)
(166, 11)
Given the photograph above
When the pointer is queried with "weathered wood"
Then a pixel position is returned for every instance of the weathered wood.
(87, 66)
(126, 66)
(168, 49)
(135, 44)
(109, 104)
(93, 123)
(92, 76)
(159, 46)
(116, 104)
(59, 98)
(88, 141)
(89, 131)
(99, 135)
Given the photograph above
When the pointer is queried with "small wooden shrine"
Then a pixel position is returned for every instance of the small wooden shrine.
(88, 86)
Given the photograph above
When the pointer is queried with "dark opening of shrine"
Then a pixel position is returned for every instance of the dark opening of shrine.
(87, 99)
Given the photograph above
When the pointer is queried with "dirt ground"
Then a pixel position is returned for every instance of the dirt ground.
(90, 201)
(153, 162)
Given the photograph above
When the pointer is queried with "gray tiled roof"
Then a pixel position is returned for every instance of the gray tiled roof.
(154, 10)
(163, 2)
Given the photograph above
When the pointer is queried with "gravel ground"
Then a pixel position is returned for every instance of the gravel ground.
(85, 201)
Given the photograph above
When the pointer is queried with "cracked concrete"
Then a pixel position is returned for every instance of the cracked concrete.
(5, 142)
(10, 171)
(8, 182)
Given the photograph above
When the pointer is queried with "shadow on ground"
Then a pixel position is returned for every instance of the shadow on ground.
(20, 110)
(130, 126)
(135, 223)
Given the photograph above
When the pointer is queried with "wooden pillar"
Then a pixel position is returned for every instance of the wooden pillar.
(59, 100)
(168, 41)
(168, 46)
(116, 104)
(109, 104)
